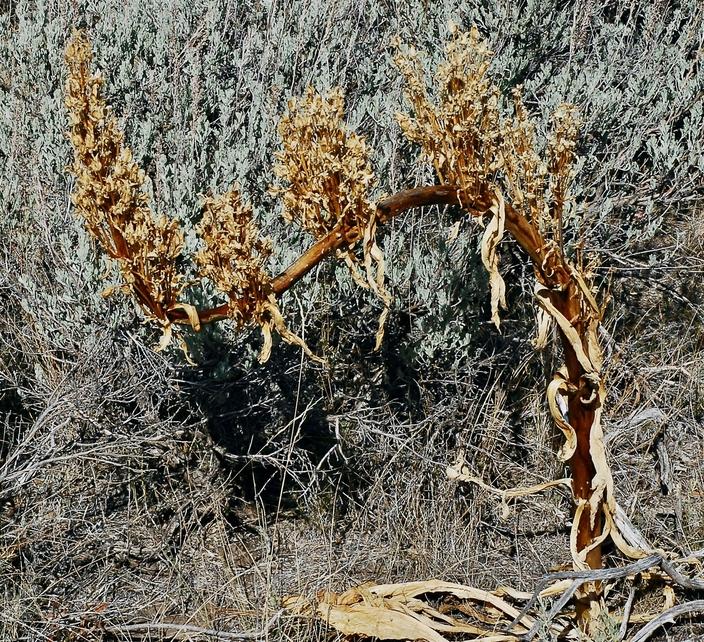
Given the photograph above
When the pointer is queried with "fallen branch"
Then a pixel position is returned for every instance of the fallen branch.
(626, 614)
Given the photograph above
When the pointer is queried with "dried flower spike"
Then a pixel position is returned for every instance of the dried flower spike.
(108, 193)
(327, 176)
(233, 258)
(325, 167)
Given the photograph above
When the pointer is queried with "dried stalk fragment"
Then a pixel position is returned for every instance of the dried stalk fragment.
(490, 242)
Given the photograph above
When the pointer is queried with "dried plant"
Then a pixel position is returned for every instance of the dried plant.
(109, 194)
(488, 164)
(233, 258)
(326, 167)
(461, 134)
(327, 176)
(493, 161)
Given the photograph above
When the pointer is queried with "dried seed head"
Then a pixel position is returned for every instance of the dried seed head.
(561, 156)
(109, 195)
(461, 134)
(234, 255)
(327, 176)
(524, 171)
(233, 258)
(324, 167)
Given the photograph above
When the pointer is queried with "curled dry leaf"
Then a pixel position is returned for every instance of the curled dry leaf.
(459, 471)
(490, 257)
(560, 385)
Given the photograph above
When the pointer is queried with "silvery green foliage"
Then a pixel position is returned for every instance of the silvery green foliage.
(200, 86)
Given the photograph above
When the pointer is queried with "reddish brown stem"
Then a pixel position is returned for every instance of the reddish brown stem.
(551, 271)
(581, 417)
(517, 225)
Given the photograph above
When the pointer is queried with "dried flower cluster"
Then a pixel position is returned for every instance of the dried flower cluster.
(327, 175)
(470, 144)
(234, 255)
(486, 156)
(561, 155)
(524, 172)
(108, 193)
(325, 167)
(461, 135)
(233, 258)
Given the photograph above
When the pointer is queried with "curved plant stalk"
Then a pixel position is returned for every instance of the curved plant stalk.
(488, 166)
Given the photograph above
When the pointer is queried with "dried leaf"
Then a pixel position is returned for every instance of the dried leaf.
(165, 339)
(460, 472)
(191, 312)
(543, 297)
(544, 323)
(374, 266)
(186, 352)
(558, 386)
(489, 247)
(376, 622)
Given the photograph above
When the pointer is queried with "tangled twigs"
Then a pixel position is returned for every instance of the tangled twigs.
(600, 575)
(148, 628)
(578, 578)
(695, 606)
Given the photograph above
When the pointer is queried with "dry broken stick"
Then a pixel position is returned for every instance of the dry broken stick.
(600, 575)
(668, 617)
(578, 578)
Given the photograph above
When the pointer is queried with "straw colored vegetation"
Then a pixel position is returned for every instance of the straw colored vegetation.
(334, 321)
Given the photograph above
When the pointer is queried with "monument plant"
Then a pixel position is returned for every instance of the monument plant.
(489, 163)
